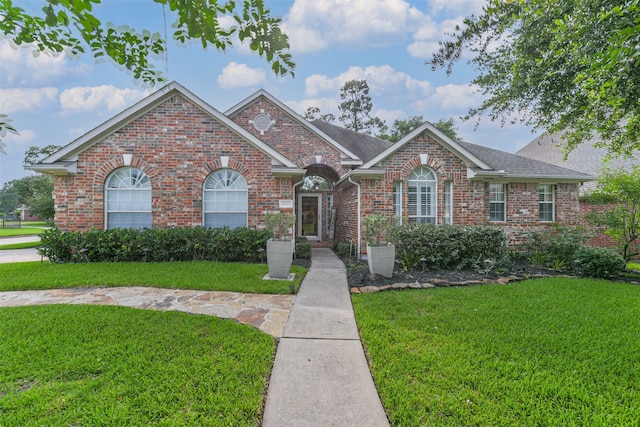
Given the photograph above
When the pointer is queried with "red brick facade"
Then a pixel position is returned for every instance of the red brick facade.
(178, 144)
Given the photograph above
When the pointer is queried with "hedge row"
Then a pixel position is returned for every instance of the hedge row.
(155, 245)
(448, 246)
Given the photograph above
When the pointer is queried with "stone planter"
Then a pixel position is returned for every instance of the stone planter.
(381, 259)
(279, 258)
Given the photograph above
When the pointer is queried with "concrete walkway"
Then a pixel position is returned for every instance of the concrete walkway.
(19, 255)
(320, 375)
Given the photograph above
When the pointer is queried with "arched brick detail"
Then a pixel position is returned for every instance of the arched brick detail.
(327, 161)
(214, 165)
(118, 162)
(432, 163)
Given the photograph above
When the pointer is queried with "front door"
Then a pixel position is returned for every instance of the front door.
(310, 216)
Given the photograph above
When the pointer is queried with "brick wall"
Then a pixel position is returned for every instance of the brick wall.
(471, 198)
(177, 145)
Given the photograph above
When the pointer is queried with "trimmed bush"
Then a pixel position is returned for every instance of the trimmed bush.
(448, 246)
(154, 245)
(303, 248)
(599, 262)
(344, 249)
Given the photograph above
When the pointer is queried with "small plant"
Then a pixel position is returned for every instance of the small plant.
(376, 228)
(279, 224)
(303, 248)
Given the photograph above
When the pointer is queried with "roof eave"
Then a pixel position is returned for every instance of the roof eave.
(59, 168)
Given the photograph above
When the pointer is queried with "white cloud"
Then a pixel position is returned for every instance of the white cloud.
(453, 97)
(382, 80)
(237, 75)
(99, 98)
(390, 115)
(16, 100)
(19, 66)
(315, 25)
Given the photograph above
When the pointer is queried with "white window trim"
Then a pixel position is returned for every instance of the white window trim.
(224, 190)
(434, 199)
(503, 202)
(552, 202)
(448, 204)
(108, 211)
(397, 208)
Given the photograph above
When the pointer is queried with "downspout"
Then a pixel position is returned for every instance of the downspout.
(359, 216)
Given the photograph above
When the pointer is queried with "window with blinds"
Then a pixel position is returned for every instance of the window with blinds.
(225, 200)
(422, 207)
(128, 199)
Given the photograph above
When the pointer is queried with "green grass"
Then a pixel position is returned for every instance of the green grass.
(542, 352)
(97, 365)
(27, 231)
(25, 245)
(204, 275)
(633, 266)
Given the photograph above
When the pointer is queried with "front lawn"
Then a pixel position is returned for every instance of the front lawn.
(97, 365)
(555, 351)
(202, 275)
(26, 231)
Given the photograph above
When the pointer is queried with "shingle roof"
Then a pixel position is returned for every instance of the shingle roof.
(518, 166)
(365, 147)
(586, 157)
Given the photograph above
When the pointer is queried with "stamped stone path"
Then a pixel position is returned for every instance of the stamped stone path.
(268, 313)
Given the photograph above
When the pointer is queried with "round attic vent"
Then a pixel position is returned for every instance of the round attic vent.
(262, 122)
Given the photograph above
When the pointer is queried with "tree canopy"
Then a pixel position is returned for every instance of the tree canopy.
(355, 108)
(556, 65)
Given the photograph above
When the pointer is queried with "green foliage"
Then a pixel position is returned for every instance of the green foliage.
(344, 249)
(303, 248)
(279, 224)
(154, 245)
(547, 352)
(73, 27)
(622, 221)
(401, 128)
(555, 247)
(566, 65)
(376, 228)
(5, 128)
(63, 365)
(35, 154)
(448, 246)
(599, 262)
(448, 127)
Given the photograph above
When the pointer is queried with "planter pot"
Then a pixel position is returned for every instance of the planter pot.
(279, 258)
(381, 259)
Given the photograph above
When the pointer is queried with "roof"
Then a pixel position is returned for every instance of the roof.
(585, 157)
(365, 147)
(515, 166)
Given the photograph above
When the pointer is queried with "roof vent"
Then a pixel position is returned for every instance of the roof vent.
(262, 122)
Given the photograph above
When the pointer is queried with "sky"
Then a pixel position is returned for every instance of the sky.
(56, 99)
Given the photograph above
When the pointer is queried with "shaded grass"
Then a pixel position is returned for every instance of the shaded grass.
(633, 266)
(26, 231)
(24, 245)
(98, 365)
(542, 352)
(198, 275)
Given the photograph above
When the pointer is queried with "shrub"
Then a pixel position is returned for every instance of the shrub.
(555, 247)
(154, 245)
(303, 248)
(448, 246)
(599, 262)
(344, 249)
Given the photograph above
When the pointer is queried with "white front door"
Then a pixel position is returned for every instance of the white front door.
(310, 216)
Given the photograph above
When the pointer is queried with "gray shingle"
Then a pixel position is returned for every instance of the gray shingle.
(364, 146)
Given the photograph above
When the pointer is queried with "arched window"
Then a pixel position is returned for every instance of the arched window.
(225, 199)
(128, 196)
(423, 196)
(316, 182)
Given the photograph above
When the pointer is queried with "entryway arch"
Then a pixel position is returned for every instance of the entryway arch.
(315, 209)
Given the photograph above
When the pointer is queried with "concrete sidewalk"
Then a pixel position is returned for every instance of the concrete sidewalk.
(320, 376)
(19, 255)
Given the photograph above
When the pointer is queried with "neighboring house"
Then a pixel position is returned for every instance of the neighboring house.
(173, 160)
(585, 157)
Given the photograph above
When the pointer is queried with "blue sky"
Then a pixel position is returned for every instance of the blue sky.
(55, 99)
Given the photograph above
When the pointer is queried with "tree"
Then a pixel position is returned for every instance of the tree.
(622, 221)
(35, 154)
(355, 108)
(72, 27)
(35, 192)
(8, 198)
(5, 128)
(448, 127)
(313, 113)
(401, 128)
(556, 65)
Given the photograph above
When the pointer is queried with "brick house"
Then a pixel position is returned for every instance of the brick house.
(173, 160)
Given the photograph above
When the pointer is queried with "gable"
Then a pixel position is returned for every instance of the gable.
(64, 160)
